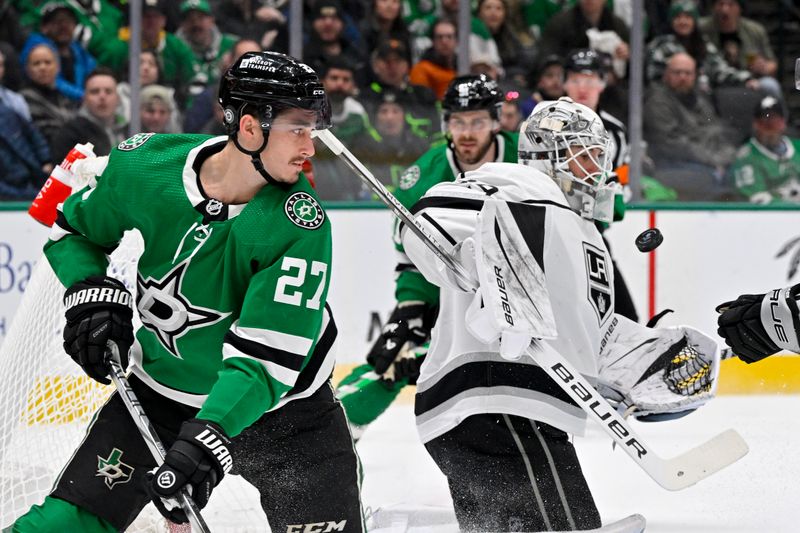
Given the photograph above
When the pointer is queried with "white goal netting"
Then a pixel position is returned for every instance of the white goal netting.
(46, 403)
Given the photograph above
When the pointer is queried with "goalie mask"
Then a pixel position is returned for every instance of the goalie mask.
(568, 142)
(263, 84)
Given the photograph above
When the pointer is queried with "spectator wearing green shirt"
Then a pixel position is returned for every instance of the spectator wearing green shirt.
(176, 59)
(199, 30)
(767, 167)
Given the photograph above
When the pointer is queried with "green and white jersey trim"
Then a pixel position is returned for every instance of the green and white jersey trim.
(191, 181)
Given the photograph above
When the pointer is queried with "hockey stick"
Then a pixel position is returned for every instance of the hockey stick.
(673, 474)
(149, 434)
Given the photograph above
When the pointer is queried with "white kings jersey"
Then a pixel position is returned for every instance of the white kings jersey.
(462, 375)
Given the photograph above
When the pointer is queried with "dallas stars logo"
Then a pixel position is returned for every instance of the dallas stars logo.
(304, 211)
(134, 142)
(113, 469)
(165, 311)
(409, 178)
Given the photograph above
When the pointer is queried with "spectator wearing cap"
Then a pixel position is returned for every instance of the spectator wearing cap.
(567, 30)
(685, 36)
(390, 67)
(391, 147)
(96, 121)
(437, 67)
(767, 167)
(57, 26)
(348, 115)
(350, 123)
(178, 66)
(156, 109)
(689, 143)
(383, 22)
(744, 42)
(547, 82)
(49, 108)
(98, 20)
(327, 38)
(199, 30)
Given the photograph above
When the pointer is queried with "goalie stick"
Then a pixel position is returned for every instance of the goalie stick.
(675, 473)
(149, 434)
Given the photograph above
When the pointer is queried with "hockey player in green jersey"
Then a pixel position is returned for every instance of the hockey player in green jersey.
(233, 361)
(471, 107)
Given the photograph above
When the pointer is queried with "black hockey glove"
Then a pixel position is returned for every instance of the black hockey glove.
(407, 323)
(98, 311)
(408, 367)
(198, 460)
(741, 327)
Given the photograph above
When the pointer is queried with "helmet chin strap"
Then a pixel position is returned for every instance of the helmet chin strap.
(255, 159)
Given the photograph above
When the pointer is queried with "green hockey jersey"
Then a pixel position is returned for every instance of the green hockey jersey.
(765, 177)
(231, 297)
(437, 165)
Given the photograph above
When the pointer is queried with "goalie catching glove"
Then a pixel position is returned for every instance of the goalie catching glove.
(409, 322)
(657, 373)
(98, 310)
(756, 326)
(198, 460)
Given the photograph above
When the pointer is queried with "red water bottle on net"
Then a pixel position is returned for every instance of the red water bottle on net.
(58, 186)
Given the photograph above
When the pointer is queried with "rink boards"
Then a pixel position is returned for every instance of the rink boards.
(707, 257)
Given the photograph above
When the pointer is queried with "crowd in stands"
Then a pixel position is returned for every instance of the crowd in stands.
(714, 123)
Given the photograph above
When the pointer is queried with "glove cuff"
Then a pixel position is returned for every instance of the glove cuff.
(209, 437)
(97, 292)
(779, 315)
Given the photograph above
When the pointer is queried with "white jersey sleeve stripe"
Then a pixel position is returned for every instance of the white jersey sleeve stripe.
(285, 342)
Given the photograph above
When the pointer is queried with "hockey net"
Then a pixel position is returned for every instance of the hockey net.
(46, 403)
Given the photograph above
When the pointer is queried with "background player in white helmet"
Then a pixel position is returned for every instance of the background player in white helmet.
(493, 421)
(234, 353)
(470, 118)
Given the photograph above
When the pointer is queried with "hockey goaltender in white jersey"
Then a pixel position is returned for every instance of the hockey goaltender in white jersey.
(494, 422)
(577, 269)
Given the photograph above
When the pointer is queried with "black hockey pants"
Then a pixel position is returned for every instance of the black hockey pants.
(508, 473)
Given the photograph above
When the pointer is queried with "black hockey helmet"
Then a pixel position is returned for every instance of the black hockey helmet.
(588, 62)
(472, 92)
(271, 82)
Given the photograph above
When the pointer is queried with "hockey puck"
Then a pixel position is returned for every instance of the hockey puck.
(649, 240)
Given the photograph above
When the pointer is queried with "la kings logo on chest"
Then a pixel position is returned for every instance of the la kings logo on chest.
(167, 312)
(598, 282)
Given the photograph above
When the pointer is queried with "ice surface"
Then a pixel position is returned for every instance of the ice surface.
(759, 493)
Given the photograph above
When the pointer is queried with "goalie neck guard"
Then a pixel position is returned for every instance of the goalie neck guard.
(264, 84)
(567, 141)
